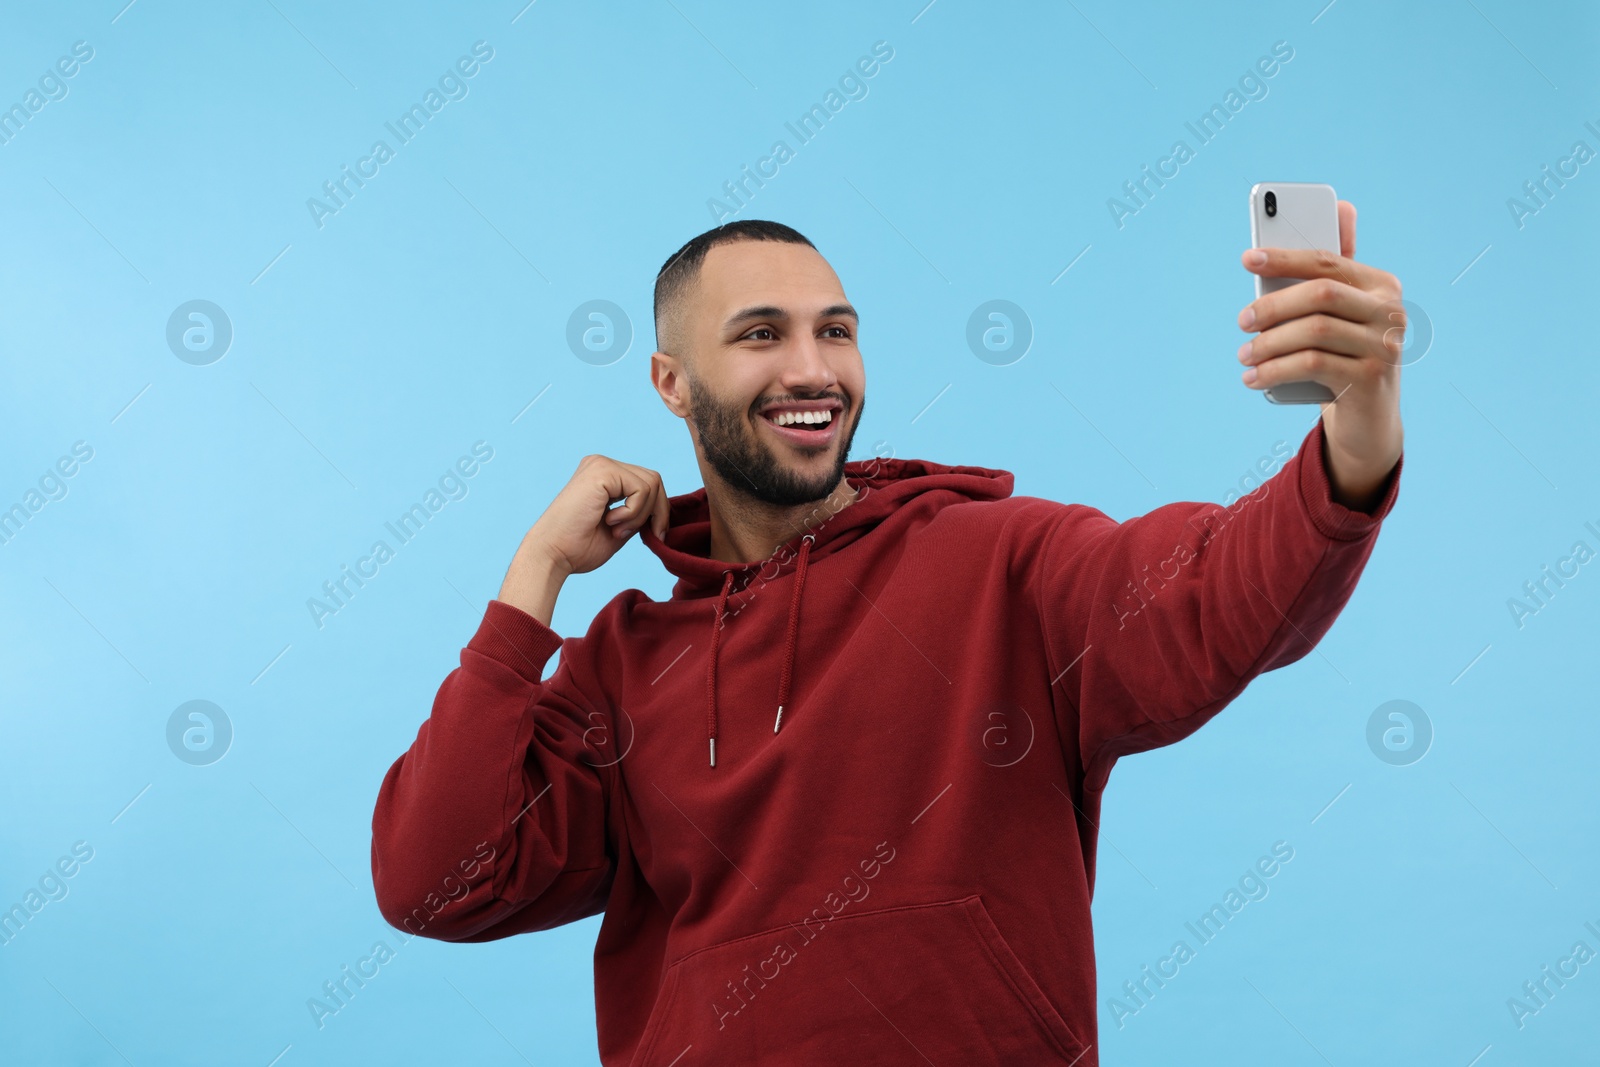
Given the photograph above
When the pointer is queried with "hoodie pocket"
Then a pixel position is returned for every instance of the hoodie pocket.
(918, 983)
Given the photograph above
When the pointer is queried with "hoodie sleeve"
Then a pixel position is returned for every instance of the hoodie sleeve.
(1153, 625)
(493, 823)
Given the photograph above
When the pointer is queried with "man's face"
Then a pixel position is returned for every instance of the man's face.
(770, 334)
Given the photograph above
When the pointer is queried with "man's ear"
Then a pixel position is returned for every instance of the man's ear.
(666, 374)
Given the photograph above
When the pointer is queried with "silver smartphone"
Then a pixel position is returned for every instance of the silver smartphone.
(1293, 215)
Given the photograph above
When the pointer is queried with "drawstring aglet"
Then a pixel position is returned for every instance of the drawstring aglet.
(779, 720)
(713, 751)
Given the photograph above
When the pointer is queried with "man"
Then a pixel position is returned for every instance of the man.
(838, 796)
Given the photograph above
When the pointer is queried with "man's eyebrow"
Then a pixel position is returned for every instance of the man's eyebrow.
(772, 311)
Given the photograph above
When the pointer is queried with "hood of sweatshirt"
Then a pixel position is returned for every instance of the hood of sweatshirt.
(882, 486)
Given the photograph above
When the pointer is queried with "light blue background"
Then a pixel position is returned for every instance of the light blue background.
(429, 312)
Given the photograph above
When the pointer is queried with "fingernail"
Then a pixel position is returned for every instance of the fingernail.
(1244, 352)
(1247, 318)
(1255, 257)
(1250, 376)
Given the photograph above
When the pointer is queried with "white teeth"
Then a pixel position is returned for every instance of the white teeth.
(810, 418)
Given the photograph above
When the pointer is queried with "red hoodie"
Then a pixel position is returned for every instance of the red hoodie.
(900, 870)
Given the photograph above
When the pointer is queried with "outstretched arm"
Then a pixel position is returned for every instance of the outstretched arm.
(1155, 624)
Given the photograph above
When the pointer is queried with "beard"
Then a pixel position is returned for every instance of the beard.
(754, 469)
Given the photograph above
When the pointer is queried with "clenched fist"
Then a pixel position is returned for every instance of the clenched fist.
(580, 530)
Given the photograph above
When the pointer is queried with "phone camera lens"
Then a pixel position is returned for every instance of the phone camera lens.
(1272, 204)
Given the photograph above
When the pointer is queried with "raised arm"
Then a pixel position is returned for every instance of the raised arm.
(494, 821)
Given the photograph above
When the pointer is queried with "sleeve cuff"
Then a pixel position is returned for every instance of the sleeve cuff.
(1331, 518)
(516, 639)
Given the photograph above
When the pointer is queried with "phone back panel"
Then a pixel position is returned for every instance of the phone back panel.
(1307, 217)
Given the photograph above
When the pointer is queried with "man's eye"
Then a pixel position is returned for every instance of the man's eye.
(844, 331)
(759, 329)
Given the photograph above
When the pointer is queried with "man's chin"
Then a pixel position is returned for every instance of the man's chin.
(808, 474)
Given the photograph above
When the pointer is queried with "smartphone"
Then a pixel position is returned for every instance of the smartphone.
(1293, 215)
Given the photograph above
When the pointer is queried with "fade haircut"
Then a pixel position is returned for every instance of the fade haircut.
(679, 273)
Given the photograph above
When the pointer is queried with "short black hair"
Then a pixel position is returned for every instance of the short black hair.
(679, 272)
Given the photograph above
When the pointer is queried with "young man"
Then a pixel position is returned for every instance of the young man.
(838, 796)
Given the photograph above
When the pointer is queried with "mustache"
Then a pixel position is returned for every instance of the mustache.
(768, 401)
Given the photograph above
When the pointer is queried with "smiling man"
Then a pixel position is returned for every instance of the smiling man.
(838, 795)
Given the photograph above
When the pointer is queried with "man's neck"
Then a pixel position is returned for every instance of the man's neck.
(744, 530)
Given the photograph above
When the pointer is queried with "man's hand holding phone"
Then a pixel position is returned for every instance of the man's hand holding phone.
(1344, 328)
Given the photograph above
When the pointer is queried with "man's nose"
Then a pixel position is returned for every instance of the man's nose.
(808, 369)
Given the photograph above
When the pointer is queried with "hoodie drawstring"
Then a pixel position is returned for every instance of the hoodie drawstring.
(786, 673)
(711, 680)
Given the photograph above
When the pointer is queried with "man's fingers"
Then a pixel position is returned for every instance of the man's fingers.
(652, 505)
(1333, 335)
(1336, 372)
(620, 512)
(1320, 263)
(1329, 296)
(663, 511)
(646, 499)
(616, 482)
(1347, 229)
